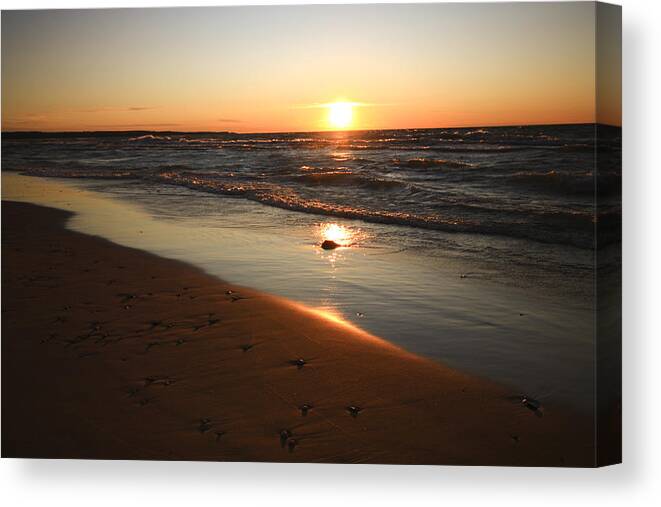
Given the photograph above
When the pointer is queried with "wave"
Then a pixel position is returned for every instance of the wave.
(150, 137)
(83, 173)
(425, 163)
(576, 148)
(575, 226)
(479, 149)
(578, 225)
(553, 181)
(462, 180)
(568, 183)
(343, 157)
(341, 179)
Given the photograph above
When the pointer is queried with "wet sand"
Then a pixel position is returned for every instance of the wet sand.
(113, 353)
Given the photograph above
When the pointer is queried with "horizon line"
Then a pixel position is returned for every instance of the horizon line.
(120, 131)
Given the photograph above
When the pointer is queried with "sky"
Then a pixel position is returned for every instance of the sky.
(276, 69)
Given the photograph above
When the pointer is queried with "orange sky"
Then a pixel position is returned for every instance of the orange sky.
(260, 69)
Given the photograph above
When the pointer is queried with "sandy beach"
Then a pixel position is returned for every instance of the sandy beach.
(118, 354)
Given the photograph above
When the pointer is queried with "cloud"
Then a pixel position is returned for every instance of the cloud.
(127, 109)
(328, 104)
(325, 105)
(28, 118)
(228, 120)
(135, 125)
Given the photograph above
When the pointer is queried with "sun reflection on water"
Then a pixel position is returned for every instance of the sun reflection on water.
(334, 241)
(336, 233)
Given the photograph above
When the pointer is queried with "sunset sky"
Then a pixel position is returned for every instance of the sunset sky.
(261, 69)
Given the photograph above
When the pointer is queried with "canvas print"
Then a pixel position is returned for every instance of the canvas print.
(385, 234)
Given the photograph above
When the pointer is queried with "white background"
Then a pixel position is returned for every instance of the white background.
(636, 482)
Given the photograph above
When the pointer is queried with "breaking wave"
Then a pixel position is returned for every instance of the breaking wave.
(525, 182)
(341, 179)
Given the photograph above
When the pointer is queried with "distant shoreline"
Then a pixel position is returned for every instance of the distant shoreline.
(17, 134)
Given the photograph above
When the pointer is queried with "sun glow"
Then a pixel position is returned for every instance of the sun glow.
(336, 233)
(340, 114)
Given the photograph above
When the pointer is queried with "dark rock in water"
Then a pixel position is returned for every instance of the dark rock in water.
(329, 245)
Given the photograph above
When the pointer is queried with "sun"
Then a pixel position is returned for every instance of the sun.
(340, 114)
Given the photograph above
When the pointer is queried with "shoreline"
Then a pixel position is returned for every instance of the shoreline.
(419, 300)
(133, 356)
